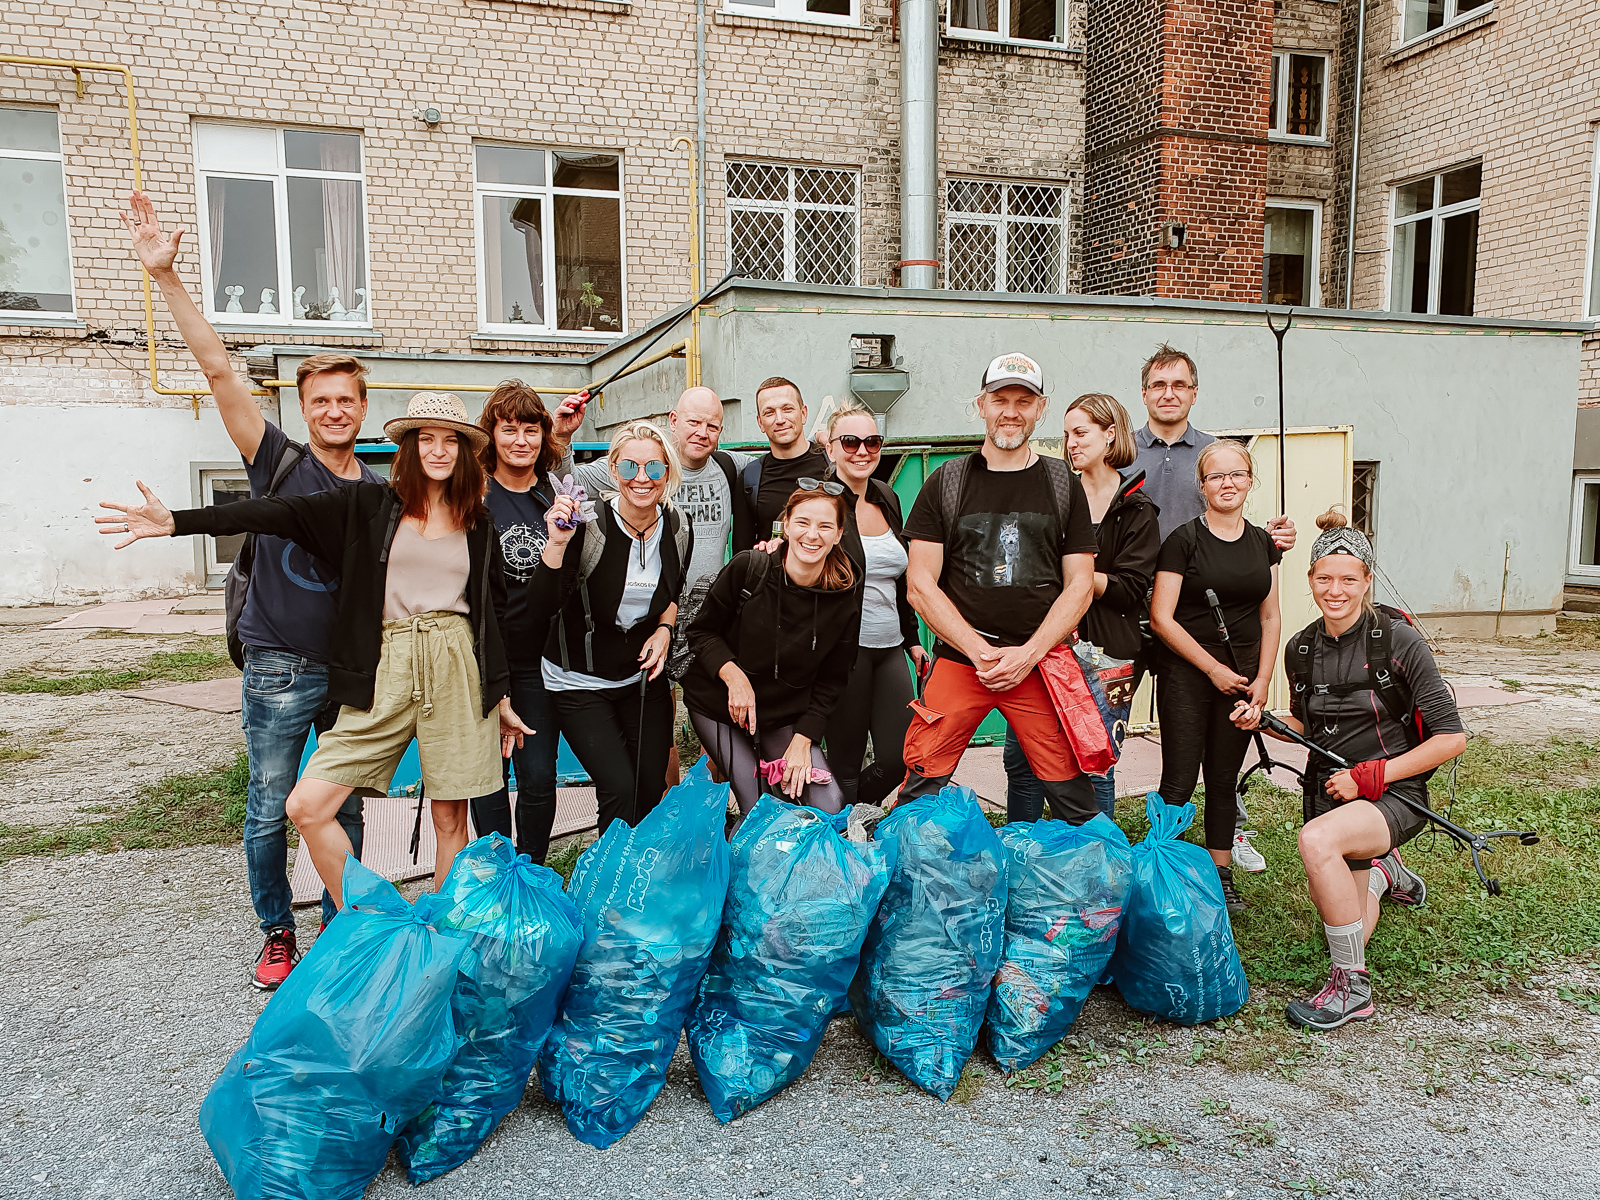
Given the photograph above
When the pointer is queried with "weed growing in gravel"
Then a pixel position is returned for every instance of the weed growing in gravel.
(563, 858)
(204, 808)
(1210, 1107)
(1588, 999)
(10, 754)
(1307, 1187)
(1147, 1137)
(969, 1085)
(177, 666)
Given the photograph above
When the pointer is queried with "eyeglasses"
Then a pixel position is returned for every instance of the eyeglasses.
(1159, 388)
(831, 486)
(1230, 476)
(853, 442)
(655, 470)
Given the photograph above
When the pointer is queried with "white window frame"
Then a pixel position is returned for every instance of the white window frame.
(792, 10)
(546, 193)
(1436, 215)
(280, 204)
(1453, 15)
(790, 207)
(1591, 274)
(209, 477)
(1003, 19)
(1002, 222)
(1580, 481)
(1314, 207)
(59, 158)
(1280, 99)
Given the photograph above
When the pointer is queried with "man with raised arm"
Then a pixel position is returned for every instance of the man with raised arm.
(1001, 568)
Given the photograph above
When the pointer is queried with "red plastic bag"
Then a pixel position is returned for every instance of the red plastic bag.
(1076, 710)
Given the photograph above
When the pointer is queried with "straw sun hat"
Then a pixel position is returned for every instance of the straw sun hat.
(436, 410)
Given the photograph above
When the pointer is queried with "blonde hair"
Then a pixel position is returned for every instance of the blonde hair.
(646, 431)
(1212, 449)
(1105, 412)
(850, 408)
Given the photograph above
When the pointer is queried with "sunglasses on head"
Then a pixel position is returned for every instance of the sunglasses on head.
(854, 441)
(655, 470)
(831, 486)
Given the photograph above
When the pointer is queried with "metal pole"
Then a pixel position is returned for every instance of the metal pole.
(1355, 153)
(1283, 478)
(700, 131)
(919, 142)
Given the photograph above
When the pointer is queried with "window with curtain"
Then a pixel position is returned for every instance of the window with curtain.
(35, 254)
(1298, 108)
(550, 249)
(283, 220)
(1434, 243)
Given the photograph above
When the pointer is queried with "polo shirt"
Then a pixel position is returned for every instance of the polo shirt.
(1169, 478)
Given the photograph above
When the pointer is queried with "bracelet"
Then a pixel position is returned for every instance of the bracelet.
(667, 625)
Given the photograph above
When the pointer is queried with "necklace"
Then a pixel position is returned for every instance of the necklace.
(639, 535)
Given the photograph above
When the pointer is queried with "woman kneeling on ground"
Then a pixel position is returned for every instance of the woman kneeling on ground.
(416, 649)
(774, 644)
(1357, 820)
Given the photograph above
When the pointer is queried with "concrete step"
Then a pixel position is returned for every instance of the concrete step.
(203, 602)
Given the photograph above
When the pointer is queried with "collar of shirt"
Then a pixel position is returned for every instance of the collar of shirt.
(1145, 439)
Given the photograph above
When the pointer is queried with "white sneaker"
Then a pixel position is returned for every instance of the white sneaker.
(1245, 856)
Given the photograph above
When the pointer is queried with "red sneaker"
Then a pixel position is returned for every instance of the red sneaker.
(276, 960)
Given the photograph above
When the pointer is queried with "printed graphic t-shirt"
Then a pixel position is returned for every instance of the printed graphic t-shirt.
(705, 498)
(1003, 549)
(293, 596)
(519, 522)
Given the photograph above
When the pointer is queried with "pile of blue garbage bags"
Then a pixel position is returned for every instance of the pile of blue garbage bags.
(417, 1027)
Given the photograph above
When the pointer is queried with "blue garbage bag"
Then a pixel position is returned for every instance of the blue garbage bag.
(522, 936)
(799, 901)
(1175, 956)
(651, 900)
(1067, 886)
(935, 941)
(349, 1049)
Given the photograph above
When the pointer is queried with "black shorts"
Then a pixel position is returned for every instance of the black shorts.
(1404, 822)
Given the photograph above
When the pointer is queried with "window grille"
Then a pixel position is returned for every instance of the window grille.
(794, 223)
(1005, 237)
(1364, 499)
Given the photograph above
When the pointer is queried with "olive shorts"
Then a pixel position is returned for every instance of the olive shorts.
(427, 688)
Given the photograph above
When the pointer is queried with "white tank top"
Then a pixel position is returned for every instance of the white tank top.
(880, 612)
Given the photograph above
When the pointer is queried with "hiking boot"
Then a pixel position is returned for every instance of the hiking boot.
(1245, 856)
(276, 960)
(1230, 894)
(1405, 885)
(1347, 997)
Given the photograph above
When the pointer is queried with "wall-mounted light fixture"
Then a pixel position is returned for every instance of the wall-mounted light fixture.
(429, 116)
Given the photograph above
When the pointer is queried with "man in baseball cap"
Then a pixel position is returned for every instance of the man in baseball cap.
(1014, 370)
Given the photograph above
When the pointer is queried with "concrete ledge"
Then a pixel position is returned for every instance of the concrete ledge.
(1438, 37)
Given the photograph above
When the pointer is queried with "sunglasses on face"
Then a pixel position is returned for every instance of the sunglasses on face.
(853, 442)
(831, 486)
(655, 470)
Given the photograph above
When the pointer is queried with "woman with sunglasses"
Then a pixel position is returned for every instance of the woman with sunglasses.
(773, 646)
(610, 618)
(876, 698)
(1202, 677)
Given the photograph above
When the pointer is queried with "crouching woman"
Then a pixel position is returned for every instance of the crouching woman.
(416, 650)
(773, 646)
(1357, 820)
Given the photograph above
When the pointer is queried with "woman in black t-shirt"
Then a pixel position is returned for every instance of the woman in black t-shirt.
(1200, 680)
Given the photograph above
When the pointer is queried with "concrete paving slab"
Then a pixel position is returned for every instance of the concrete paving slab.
(210, 695)
(121, 615)
(212, 623)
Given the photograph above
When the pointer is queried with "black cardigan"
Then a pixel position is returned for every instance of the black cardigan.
(351, 528)
(883, 496)
(797, 645)
(1129, 540)
(554, 593)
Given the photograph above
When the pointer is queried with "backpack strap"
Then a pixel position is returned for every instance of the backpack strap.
(594, 545)
(293, 452)
(741, 522)
(1386, 682)
(750, 486)
(1298, 655)
(1058, 475)
(952, 480)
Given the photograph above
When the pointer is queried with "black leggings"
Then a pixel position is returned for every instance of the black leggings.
(1195, 730)
(734, 751)
(603, 729)
(874, 701)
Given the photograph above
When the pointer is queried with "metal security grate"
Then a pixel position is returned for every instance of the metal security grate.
(1005, 237)
(794, 223)
(1364, 498)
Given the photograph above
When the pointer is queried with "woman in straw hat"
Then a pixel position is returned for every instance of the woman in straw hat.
(416, 650)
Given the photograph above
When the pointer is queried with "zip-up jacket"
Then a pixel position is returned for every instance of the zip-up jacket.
(351, 530)
(1129, 540)
(883, 496)
(796, 644)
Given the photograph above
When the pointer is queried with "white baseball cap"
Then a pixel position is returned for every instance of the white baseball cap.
(1017, 369)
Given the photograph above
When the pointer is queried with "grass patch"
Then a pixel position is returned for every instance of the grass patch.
(11, 754)
(1463, 939)
(177, 666)
(563, 858)
(203, 808)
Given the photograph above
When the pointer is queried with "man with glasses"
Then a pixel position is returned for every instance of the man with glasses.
(1168, 449)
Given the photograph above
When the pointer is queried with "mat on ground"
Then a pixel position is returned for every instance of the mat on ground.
(350, 1048)
(651, 900)
(521, 938)
(1067, 886)
(1175, 955)
(933, 946)
(800, 898)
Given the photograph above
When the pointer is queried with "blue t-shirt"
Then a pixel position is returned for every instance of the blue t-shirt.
(291, 602)
(519, 521)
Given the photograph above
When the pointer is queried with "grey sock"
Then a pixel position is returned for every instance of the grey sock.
(1377, 882)
(1347, 946)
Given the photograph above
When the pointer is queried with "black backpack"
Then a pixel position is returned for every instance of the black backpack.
(681, 658)
(1382, 678)
(236, 587)
(953, 478)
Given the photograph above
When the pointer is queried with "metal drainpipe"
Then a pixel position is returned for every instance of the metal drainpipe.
(919, 142)
(700, 124)
(1355, 155)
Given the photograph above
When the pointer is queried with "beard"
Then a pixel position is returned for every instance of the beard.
(1010, 439)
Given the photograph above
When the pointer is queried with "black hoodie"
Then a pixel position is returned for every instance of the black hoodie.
(796, 644)
(1129, 540)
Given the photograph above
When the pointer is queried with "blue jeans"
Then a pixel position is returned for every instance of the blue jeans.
(283, 695)
(536, 771)
(1024, 796)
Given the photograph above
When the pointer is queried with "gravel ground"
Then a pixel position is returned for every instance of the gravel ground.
(124, 985)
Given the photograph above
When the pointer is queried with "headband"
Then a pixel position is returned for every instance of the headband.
(1342, 539)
